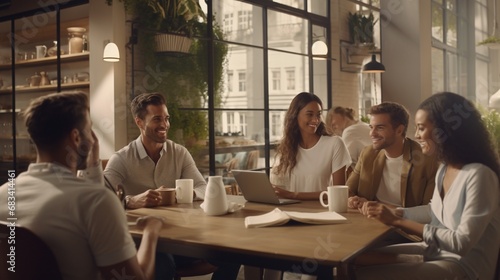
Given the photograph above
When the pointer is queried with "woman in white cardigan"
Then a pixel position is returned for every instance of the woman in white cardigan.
(460, 227)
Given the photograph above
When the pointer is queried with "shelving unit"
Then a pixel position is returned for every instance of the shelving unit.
(18, 87)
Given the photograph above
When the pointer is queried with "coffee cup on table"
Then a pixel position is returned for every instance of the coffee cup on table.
(337, 198)
(167, 196)
(184, 190)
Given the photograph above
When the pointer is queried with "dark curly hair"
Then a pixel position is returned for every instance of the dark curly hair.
(459, 131)
(288, 147)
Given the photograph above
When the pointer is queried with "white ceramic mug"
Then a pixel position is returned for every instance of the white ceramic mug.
(41, 51)
(184, 190)
(337, 198)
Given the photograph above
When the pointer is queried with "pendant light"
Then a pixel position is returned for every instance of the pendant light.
(111, 53)
(374, 66)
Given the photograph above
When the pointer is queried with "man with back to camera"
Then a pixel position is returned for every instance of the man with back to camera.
(152, 161)
(393, 170)
(62, 209)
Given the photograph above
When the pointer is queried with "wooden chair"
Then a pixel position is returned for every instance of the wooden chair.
(33, 258)
(197, 268)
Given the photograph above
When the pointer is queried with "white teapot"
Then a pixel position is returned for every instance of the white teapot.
(215, 197)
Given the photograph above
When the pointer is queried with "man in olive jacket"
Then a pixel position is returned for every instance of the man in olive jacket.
(393, 170)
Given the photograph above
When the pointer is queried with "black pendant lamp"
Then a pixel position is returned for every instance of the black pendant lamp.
(374, 66)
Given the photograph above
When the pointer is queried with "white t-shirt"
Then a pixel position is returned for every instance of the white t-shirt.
(83, 223)
(356, 137)
(315, 166)
(389, 191)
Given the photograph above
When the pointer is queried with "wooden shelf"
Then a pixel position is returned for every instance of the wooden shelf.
(6, 111)
(48, 60)
(27, 89)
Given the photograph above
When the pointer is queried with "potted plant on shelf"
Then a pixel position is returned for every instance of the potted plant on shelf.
(361, 29)
(174, 21)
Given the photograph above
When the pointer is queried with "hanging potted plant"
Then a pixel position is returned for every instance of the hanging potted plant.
(361, 29)
(175, 21)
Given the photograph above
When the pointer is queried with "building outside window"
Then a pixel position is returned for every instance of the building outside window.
(276, 79)
(242, 81)
(290, 78)
(230, 81)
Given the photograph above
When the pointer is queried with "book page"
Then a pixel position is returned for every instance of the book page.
(317, 218)
(273, 218)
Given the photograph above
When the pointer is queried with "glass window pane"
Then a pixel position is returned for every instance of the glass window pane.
(437, 70)
(299, 4)
(482, 96)
(245, 64)
(452, 68)
(240, 22)
(451, 30)
(481, 17)
(296, 82)
(437, 22)
(320, 81)
(239, 139)
(319, 7)
(462, 77)
(451, 5)
(288, 33)
(481, 49)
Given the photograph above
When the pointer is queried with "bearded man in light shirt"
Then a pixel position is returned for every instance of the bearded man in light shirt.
(152, 161)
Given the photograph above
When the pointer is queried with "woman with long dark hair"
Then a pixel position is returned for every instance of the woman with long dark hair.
(308, 159)
(460, 227)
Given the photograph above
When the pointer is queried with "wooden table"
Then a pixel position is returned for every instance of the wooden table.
(294, 246)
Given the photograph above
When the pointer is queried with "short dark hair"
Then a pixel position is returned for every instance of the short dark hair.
(50, 118)
(141, 101)
(397, 113)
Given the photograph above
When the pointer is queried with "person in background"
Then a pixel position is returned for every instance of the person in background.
(393, 170)
(460, 227)
(307, 158)
(62, 209)
(356, 134)
(151, 162)
(307, 161)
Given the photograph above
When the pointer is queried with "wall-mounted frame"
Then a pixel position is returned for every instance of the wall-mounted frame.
(352, 56)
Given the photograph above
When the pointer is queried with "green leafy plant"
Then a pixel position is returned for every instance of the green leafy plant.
(184, 78)
(170, 16)
(361, 27)
(489, 40)
(492, 120)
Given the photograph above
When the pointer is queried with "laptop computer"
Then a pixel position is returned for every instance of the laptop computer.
(256, 187)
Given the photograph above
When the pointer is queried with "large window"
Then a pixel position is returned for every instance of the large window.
(456, 60)
(268, 62)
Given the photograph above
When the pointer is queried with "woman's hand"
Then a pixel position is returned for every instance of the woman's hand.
(284, 193)
(381, 212)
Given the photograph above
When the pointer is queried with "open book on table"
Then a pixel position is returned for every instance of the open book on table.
(278, 217)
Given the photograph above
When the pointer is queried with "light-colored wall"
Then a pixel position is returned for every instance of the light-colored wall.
(406, 53)
(107, 88)
(345, 85)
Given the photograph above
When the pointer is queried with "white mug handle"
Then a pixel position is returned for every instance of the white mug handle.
(321, 198)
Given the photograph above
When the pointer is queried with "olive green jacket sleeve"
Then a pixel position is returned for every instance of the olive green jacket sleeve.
(417, 174)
